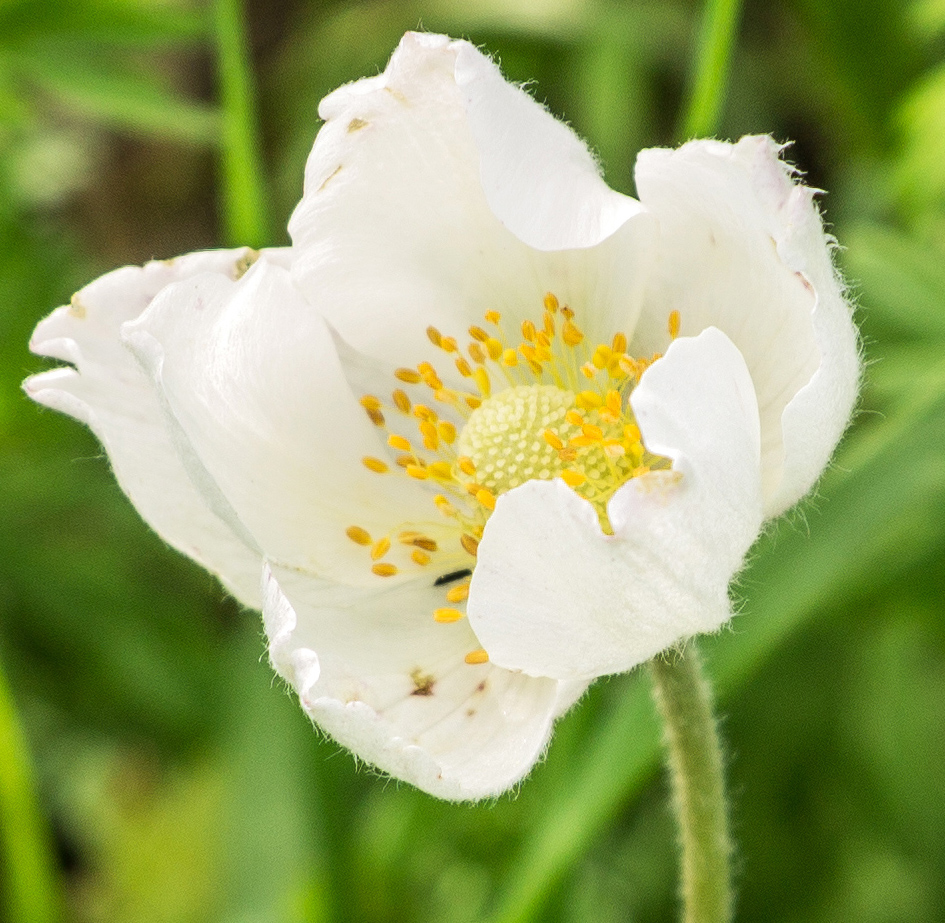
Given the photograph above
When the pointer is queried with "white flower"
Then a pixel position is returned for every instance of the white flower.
(488, 429)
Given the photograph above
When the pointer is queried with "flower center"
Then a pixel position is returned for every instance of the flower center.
(564, 412)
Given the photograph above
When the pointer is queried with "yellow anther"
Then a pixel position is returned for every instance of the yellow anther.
(601, 356)
(408, 375)
(472, 402)
(429, 376)
(420, 557)
(614, 401)
(620, 343)
(481, 377)
(463, 367)
(551, 303)
(449, 344)
(674, 324)
(381, 547)
(422, 541)
(472, 488)
(466, 465)
(631, 432)
(588, 400)
(422, 412)
(476, 657)
(486, 498)
(444, 506)
(542, 339)
(535, 368)
(530, 353)
(628, 367)
(581, 442)
(476, 353)
(415, 471)
(574, 418)
(571, 334)
(398, 442)
(358, 535)
(441, 470)
(447, 431)
(528, 331)
(614, 449)
(404, 460)
(510, 358)
(493, 317)
(573, 478)
(458, 593)
(552, 439)
(567, 454)
(431, 439)
(401, 401)
(434, 335)
(446, 396)
(469, 543)
(369, 402)
(588, 370)
(567, 312)
(384, 570)
(376, 417)
(494, 349)
(477, 333)
(446, 615)
(549, 325)
(592, 431)
(374, 464)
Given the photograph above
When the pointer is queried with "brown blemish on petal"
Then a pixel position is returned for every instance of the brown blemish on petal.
(423, 682)
(805, 282)
(241, 266)
(397, 95)
(330, 178)
(481, 687)
(76, 308)
(357, 124)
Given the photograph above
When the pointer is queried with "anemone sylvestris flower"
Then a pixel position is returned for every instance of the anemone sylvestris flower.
(488, 429)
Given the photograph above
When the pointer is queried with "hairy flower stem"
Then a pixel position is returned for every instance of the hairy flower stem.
(694, 757)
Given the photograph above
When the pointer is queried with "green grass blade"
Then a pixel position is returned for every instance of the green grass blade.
(713, 59)
(244, 200)
(29, 890)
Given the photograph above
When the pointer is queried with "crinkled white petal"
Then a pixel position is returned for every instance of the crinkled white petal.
(374, 670)
(269, 426)
(107, 390)
(552, 595)
(396, 232)
(539, 178)
(743, 249)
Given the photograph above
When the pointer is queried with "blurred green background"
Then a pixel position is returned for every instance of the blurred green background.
(177, 781)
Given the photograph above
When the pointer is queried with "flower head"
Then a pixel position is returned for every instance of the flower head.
(488, 429)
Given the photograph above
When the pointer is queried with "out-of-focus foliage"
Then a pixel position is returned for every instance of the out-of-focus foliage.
(182, 783)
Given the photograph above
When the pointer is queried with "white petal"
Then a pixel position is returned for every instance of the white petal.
(374, 670)
(395, 231)
(539, 178)
(552, 595)
(744, 250)
(272, 431)
(108, 391)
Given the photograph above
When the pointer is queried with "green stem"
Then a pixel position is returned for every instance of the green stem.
(244, 200)
(30, 890)
(695, 763)
(709, 78)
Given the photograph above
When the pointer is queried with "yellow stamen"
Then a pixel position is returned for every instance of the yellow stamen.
(475, 657)
(486, 498)
(384, 570)
(401, 401)
(466, 465)
(441, 470)
(571, 334)
(674, 324)
(470, 544)
(376, 417)
(551, 302)
(381, 547)
(447, 615)
(573, 478)
(444, 506)
(493, 317)
(481, 377)
(477, 333)
(434, 335)
(398, 442)
(589, 400)
(374, 464)
(408, 375)
(415, 471)
(494, 349)
(431, 439)
(463, 367)
(447, 431)
(358, 535)
(510, 358)
(528, 331)
(369, 402)
(420, 557)
(620, 343)
(457, 593)
(574, 418)
(552, 439)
